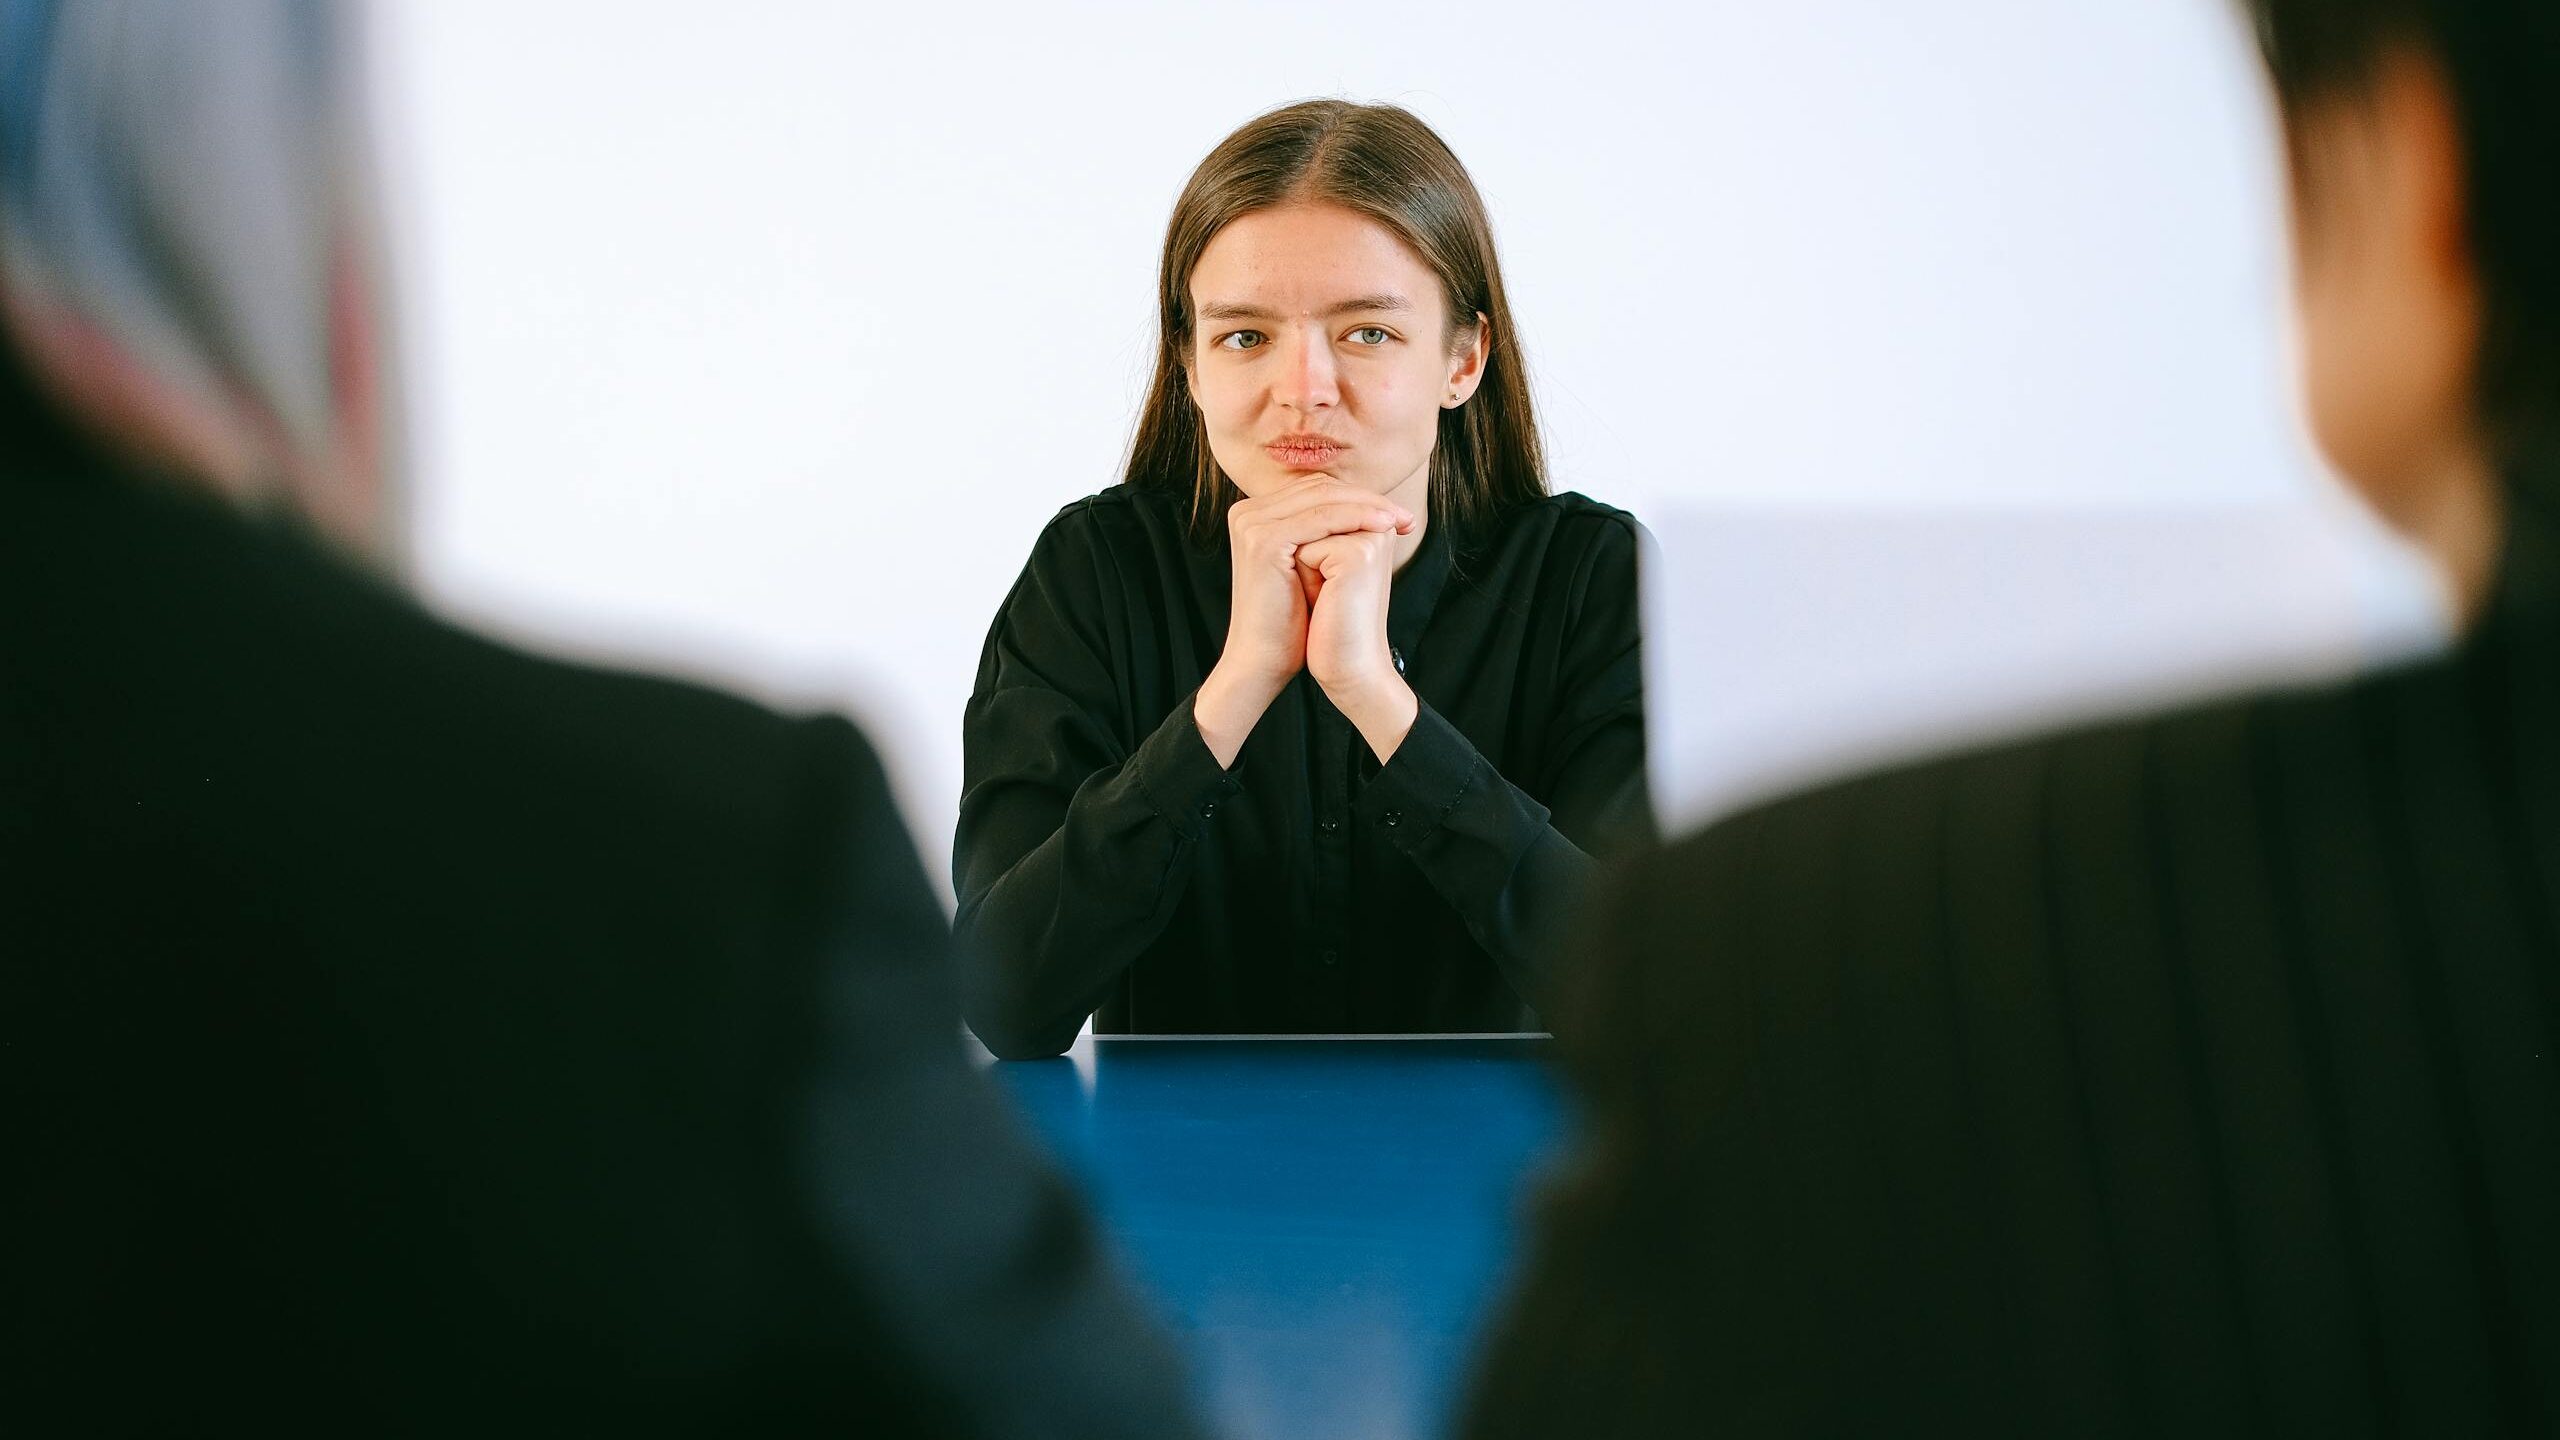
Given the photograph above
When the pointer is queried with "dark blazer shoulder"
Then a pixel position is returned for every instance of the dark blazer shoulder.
(2209, 729)
(372, 722)
(1755, 886)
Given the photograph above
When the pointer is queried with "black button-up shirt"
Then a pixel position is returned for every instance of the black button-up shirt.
(1107, 866)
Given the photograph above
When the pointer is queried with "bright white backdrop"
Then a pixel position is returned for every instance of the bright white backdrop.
(758, 341)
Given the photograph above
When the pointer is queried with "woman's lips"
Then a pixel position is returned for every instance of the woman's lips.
(1303, 454)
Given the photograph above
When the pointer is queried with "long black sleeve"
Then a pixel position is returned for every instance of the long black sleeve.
(1074, 845)
(1516, 870)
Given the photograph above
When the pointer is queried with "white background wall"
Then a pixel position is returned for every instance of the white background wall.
(758, 341)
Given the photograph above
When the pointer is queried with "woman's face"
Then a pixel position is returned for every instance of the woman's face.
(1321, 343)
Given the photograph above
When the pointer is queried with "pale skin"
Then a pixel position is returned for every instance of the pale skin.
(2389, 308)
(1320, 359)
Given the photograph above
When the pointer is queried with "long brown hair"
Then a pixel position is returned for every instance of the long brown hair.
(1382, 162)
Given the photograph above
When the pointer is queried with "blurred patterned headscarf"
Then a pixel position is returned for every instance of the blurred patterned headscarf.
(188, 256)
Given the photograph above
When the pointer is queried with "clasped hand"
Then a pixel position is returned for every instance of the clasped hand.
(1313, 565)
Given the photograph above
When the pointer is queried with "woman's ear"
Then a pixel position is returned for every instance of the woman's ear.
(1467, 362)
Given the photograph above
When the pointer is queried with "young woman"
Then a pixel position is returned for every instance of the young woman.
(1318, 720)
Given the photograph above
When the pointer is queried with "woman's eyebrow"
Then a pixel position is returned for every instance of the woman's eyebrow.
(1236, 310)
(1358, 304)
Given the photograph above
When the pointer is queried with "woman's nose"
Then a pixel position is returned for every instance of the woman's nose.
(1308, 381)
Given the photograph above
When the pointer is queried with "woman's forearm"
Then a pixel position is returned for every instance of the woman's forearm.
(1490, 849)
(1229, 704)
(1044, 931)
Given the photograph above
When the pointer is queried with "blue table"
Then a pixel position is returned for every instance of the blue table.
(1327, 1223)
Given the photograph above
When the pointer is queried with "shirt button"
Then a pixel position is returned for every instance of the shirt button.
(1328, 826)
(1209, 809)
(1394, 818)
(1333, 957)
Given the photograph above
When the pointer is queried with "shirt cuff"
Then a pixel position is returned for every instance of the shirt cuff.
(1181, 780)
(1431, 771)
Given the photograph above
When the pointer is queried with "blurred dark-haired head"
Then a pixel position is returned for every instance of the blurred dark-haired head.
(2422, 137)
(188, 266)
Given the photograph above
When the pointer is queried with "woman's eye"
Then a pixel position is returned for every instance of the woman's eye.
(1240, 340)
(1369, 335)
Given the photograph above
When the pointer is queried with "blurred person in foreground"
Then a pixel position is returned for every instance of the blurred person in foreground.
(404, 1033)
(2194, 1073)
